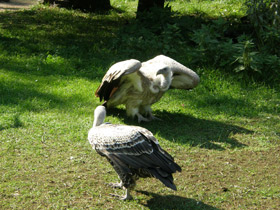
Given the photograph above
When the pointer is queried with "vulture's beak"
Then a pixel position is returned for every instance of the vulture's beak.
(164, 70)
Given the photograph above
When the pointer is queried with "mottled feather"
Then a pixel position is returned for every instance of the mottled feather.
(133, 151)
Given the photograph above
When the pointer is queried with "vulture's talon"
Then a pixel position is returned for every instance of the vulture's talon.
(115, 185)
(141, 118)
(123, 198)
(152, 117)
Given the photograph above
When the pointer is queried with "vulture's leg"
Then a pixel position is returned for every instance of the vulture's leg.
(116, 185)
(141, 118)
(134, 111)
(127, 195)
(128, 182)
(148, 111)
(152, 117)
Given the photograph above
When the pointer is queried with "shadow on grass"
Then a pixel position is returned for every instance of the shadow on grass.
(24, 97)
(43, 32)
(56, 42)
(226, 104)
(185, 129)
(53, 29)
(174, 202)
(27, 97)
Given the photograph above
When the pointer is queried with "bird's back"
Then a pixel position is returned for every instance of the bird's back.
(114, 136)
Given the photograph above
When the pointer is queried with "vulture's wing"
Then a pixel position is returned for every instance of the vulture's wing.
(117, 73)
(183, 77)
(132, 147)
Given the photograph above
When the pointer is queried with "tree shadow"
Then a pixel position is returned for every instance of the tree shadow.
(100, 11)
(184, 129)
(16, 93)
(50, 42)
(174, 202)
(86, 39)
(80, 41)
(223, 103)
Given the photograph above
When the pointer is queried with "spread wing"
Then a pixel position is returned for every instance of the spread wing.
(132, 147)
(183, 77)
(114, 77)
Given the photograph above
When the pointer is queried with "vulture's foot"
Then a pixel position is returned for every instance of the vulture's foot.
(127, 196)
(152, 117)
(115, 185)
(141, 118)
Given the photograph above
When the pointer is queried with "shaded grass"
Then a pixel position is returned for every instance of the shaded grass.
(224, 133)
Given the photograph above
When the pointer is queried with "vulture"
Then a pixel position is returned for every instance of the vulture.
(139, 85)
(132, 151)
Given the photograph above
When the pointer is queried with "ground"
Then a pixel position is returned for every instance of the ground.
(224, 133)
(17, 4)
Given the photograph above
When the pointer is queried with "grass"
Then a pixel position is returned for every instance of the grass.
(224, 134)
(212, 9)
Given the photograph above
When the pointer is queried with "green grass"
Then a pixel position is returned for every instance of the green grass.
(224, 134)
(213, 9)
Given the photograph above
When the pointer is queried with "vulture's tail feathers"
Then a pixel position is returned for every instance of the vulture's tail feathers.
(167, 181)
(166, 158)
(168, 164)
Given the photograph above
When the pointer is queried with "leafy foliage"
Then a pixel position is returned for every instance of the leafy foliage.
(264, 15)
(154, 33)
(230, 44)
(238, 54)
(263, 12)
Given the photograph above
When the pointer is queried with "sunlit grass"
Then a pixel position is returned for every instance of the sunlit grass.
(210, 8)
(224, 133)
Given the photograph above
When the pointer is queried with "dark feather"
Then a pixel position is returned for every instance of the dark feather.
(133, 152)
(112, 78)
(147, 155)
(167, 181)
(104, 91)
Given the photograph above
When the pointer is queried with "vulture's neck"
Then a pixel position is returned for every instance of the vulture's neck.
(162, 82)
(165, 82)
(99, 116)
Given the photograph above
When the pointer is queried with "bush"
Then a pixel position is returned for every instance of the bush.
(242, 47)
(264, 15)
(239, 55)
(160, 31)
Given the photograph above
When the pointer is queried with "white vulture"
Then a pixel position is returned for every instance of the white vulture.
(139, 85)
(133, 152)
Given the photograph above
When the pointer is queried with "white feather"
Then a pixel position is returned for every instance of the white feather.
(142, 84)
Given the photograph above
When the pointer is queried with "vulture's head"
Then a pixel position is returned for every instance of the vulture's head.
(163, 78)
(99, 115)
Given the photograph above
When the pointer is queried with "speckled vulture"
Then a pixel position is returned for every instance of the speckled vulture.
(139, 85)
(133, 152)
